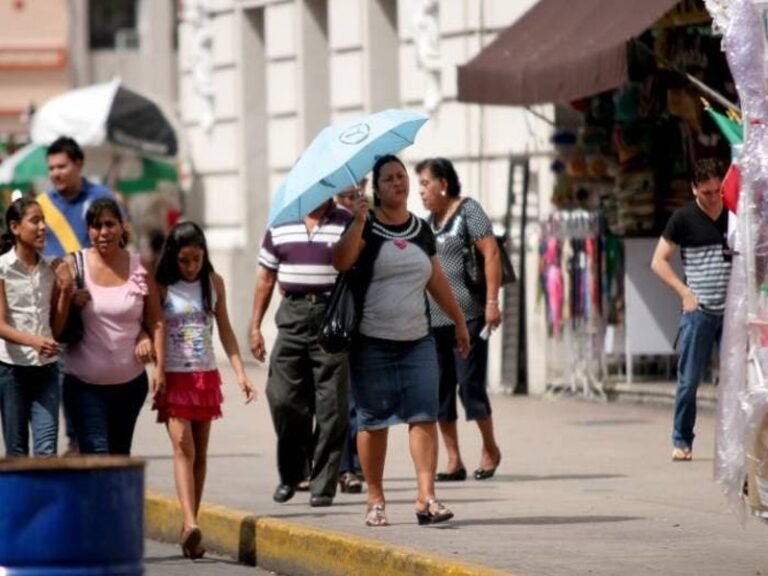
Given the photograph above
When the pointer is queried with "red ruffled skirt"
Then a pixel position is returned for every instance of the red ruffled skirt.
(190, 396)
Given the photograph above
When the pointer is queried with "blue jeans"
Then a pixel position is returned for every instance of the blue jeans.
(104, 416)
(700, 332)
(29, 397)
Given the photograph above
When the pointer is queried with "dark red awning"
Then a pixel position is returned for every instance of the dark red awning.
(558, 51)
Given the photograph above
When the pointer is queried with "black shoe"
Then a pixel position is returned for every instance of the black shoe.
(457, 476)
(283, 493)
(485, 473)
(320, 501)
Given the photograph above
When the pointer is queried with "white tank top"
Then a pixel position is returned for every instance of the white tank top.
(189, 329)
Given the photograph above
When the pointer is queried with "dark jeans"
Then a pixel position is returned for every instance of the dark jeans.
(29, 397)
(700, 332)
(307, 392)
(104, 416)
(68, 427)
(350, 462)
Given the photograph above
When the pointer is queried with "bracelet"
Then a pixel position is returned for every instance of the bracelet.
(491, 302)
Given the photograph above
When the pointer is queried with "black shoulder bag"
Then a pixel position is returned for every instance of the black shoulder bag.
(72, 332)
(345, 307)
(474, 266)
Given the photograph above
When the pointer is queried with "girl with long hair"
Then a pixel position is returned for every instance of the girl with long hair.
(193, 297)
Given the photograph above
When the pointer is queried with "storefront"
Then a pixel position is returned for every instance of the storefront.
(628, 80)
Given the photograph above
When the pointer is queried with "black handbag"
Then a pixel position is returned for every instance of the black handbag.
(474, 266)
(339, 323)
(73, 329)
(345, 306)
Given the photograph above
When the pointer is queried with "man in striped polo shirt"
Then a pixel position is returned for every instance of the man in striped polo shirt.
(700, 230)
(304, 382)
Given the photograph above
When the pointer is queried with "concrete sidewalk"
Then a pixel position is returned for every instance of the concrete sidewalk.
(583, 488)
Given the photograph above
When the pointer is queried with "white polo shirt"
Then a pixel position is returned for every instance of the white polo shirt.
(28, 307)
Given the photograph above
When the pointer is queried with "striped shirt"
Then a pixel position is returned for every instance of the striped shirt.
(705, 254)
(303, 260)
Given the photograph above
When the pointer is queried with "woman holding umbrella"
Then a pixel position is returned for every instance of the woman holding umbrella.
(393, 362)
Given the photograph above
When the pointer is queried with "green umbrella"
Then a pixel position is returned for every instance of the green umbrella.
(732, 130)
(152, 172)
(25, 166)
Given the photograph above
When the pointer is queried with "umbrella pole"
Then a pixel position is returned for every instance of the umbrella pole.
(355, 181)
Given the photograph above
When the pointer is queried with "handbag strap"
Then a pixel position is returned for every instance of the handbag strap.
(467, 238)
(79, 262)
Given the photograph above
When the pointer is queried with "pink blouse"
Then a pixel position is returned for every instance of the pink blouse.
(112, 320)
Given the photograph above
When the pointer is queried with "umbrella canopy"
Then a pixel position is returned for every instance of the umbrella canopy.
(29, 164)
(24, 166)
(103, 113)
(340, 156)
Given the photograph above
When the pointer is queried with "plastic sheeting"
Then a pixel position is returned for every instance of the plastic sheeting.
(741, 456)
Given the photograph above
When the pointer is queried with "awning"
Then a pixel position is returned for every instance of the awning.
(558, 51)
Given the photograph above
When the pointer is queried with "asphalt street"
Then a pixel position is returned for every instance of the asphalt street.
(166, 560)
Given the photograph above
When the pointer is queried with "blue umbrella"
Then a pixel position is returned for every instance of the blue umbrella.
(338, 157)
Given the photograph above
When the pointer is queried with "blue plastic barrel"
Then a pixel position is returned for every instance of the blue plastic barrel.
(67, 516)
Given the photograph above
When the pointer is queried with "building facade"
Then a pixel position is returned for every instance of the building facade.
(259, 79)
(34, 59)
(47, 48)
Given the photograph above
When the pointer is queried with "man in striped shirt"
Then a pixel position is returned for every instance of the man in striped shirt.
(306, 388)
(700, 230)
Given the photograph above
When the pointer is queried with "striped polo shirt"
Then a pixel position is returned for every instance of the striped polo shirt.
(303, 260)
(705, 254)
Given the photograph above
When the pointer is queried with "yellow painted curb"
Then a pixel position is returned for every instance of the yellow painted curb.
(297, 549)
(227, 531)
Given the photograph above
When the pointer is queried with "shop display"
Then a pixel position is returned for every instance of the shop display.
(627, 155)
(572, 286)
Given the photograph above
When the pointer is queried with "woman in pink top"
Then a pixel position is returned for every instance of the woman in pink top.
(105, 381)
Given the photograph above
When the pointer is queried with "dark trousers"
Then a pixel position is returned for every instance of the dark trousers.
(307, 393)
(104, 416)
(350, 461)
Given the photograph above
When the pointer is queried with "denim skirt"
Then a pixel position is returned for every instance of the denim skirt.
(394, 382)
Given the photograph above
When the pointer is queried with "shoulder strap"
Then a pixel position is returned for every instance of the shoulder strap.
(79, 261)
(467, 238)
(58, 224)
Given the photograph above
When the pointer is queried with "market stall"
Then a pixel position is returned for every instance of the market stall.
(630, 121)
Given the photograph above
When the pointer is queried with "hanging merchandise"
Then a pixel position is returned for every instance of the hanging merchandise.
(635, 203)
(570, 280)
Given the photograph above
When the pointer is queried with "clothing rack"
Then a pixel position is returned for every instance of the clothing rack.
(570, 268)
(576, 224)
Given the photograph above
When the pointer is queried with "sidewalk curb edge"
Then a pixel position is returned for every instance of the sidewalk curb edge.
(297, 549)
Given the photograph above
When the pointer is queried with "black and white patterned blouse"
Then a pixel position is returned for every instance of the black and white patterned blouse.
(469, 220)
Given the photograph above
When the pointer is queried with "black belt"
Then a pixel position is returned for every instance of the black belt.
(311, 298)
